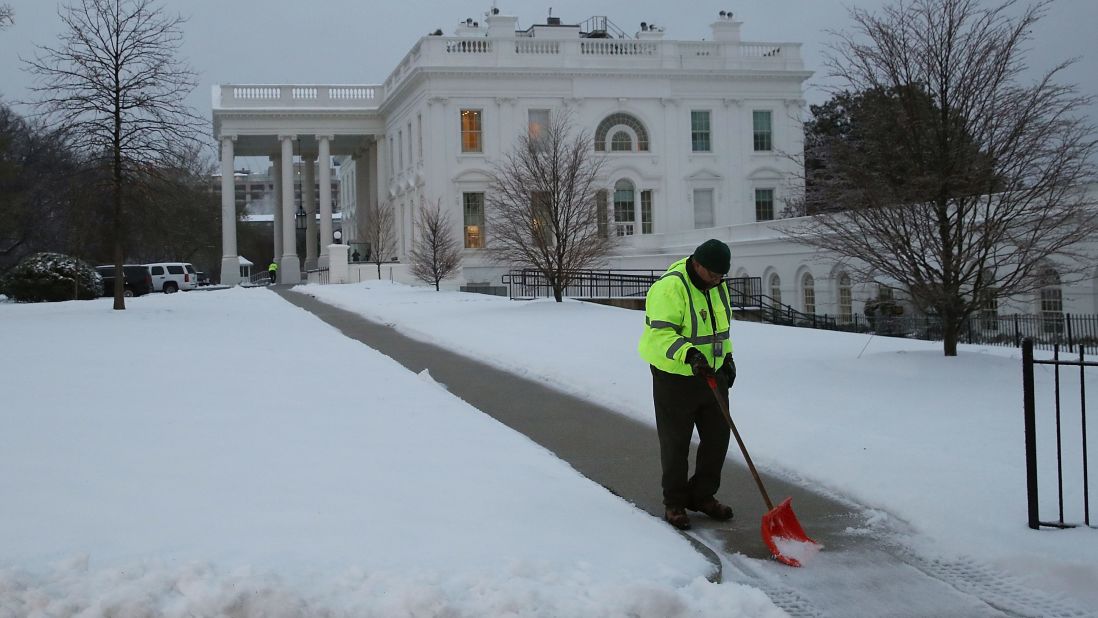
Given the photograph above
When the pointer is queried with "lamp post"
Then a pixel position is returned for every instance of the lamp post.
(338, 237)
(299, 224)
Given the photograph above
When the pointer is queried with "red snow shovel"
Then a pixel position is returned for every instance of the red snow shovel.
(781, 531)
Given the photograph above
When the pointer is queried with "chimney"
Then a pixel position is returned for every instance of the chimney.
(501, 26)
(726, 29)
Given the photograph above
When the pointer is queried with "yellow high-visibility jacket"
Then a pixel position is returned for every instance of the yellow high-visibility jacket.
(273, 267)
(679, 316)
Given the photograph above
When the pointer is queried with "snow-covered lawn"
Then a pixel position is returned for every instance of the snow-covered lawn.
(935, 444)
(225, 453)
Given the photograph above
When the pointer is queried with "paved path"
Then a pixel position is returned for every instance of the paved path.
(856, 575)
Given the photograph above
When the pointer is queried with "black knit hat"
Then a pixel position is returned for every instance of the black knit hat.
(714, 255)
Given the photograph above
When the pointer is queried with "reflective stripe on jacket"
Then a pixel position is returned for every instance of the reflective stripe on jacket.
(677, 317)
(273, 267)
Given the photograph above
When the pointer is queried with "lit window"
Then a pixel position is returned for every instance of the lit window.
(624, 210)
(646, 212)
(763, 130)
(764, 204)
(699, 131)
(474, 220)
(537, 121)
(470, 130)
(703, 208)
(808, 289)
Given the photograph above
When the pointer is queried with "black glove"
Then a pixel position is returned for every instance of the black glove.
(698, 364)
(729, 370)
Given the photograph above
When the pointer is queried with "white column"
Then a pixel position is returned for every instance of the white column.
(276, 222)
(230, 263)
(289, 270)
(308, 202)
(324, 161)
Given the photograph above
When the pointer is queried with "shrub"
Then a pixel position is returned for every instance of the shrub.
(47, 277)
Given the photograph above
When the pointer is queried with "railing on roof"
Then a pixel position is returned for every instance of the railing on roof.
(250, 96)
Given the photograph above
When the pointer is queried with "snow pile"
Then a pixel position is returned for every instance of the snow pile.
(239, 457)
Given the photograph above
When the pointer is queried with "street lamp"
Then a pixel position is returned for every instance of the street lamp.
(299, 225)
(338, 236)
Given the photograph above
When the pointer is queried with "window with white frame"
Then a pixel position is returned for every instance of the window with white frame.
(808, 292)
(764, 204)
(703, 208)
(646, 211)
(473, 209)
(846, 300)
(471, 137)
(763, 131)
(624, 208)
(776, 288)
(621, 141)
(536, 121)
(1052, 301)
(699, 131)
(609, 129)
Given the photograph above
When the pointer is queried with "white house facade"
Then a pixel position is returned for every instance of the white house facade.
(696, 138)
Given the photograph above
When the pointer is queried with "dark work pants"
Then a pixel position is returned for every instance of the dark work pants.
(683, 403)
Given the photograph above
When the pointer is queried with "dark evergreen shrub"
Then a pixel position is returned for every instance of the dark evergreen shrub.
(48, 277)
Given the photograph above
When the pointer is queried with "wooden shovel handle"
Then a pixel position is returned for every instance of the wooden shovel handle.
(712, 381)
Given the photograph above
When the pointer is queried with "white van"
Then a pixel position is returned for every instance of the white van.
(170, 277)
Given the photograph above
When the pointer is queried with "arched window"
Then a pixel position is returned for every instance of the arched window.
(624, 209)
(617, 120)
(846, 304)
(621, 142)
(808, 290)
(1052, 301)
(776, 288)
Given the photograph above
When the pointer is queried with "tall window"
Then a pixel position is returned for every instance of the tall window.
(400, 152)
(703, 208)
(699, 131)
(542, 207)
(410, 158)
(624, 209)
(471, 131)
(602, 212)
(846, 303)
(776, 288)
(646, 211)
(536, 121)
(620, 120)
(392, 156)
(764, 204)
(763, 131)
(808, 289)
(1052, 301)
(474, 220)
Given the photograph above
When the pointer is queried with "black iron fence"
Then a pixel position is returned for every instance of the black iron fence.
(529, 283)
(1062, 423)
(1046, 330)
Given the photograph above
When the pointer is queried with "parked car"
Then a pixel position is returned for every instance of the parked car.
(170, 277)
(136, 279)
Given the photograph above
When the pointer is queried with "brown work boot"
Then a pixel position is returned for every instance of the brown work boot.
(677, 517)
(714, 509)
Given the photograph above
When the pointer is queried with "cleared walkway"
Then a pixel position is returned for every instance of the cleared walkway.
(856, 575)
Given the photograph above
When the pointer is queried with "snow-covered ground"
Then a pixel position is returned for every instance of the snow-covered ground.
(248, 458)
(924, 442)
(225, 453)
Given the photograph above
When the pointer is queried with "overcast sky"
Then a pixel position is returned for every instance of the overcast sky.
(361, 41)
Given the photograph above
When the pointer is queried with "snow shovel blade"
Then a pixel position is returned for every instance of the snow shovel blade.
(784, 535)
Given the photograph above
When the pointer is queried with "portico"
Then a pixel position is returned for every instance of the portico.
(309, 123)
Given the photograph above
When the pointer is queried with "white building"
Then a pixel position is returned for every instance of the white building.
(696, 136)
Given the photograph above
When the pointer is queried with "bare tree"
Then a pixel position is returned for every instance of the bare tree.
(375, 226)
(961, 183)
(114, 86)
(436, 254)
(7, 16)
(542, 206)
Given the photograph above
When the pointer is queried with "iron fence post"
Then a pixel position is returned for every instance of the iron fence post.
(1017, 333)
(1029, 408)
(1067, 317)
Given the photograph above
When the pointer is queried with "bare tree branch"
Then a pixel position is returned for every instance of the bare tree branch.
(376, 227)
(7, 16)
(957, 180)
(542, 210)
(114, 87)
(436, 254)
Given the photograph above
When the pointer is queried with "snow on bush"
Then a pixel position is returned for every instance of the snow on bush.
(48, 277)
